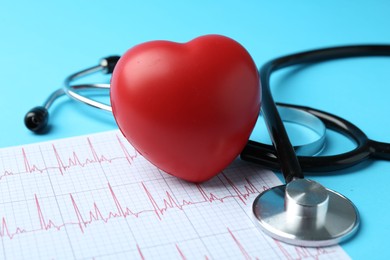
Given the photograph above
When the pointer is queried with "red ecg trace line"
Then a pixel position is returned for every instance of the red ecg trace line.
(183, 257)
(83, 220)
(300, 252)
(75, 161)
(95, 214)
(239, 245)
(168, 203)
(140, 252)
(72, 161)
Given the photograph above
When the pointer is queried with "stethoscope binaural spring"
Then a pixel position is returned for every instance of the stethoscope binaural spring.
(301, 212)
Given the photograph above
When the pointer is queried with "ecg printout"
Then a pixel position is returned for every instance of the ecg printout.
(95, 197)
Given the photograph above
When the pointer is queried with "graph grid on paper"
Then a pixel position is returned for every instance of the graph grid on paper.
(95, 197)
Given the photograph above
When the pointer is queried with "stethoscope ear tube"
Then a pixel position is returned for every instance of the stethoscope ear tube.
(380, 150)
(37, 118)
(106, 66)
(266, 155)
(288, 161)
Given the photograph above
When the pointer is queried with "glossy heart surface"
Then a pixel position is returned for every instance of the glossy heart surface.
(188, 108)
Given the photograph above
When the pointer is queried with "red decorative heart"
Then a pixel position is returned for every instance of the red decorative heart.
(187, 108)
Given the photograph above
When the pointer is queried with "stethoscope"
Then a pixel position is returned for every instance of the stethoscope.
(301, 212)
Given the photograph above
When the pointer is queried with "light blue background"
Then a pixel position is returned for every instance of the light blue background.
(43, 41)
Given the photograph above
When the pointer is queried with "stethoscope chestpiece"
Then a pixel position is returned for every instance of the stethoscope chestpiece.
(305, 213)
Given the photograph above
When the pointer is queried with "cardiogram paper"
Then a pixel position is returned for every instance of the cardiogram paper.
(95, 197)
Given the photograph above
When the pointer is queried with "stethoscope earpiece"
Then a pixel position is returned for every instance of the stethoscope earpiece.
(37, 119)
(108, 63)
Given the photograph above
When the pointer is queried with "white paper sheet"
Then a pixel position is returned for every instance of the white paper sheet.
(95, 197)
